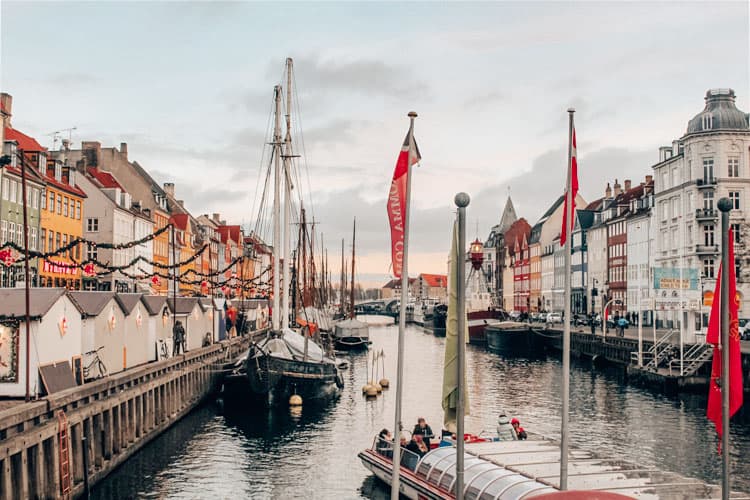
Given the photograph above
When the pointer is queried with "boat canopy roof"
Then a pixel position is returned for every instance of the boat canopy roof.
(482, 479)
(350, 327)
(291, 345)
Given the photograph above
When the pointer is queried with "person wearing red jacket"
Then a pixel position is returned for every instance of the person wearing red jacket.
(520, 432)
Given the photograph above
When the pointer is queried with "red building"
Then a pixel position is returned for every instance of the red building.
(521, 273)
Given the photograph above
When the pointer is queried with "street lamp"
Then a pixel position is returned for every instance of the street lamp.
(594, 293)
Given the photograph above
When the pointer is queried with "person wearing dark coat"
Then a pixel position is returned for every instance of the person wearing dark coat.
(424, 430)
(178, 338)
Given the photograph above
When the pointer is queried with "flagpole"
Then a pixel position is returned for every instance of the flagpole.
(395, 488)
(564, 438)
(727, 267)
(462, 201)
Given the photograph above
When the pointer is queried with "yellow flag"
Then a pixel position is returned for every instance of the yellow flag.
(450, 369)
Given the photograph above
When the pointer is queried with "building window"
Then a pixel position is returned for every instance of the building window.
(19, 232)
(59, 204)
(13, 191)
(708, 235)
(665, 179)
(4, 231)
(734, 197)
(65, 243)
(51, 205)
(736, 233)
(92, 224)
(57, 241)
(708, 200)
(733, 167)
(42, 239)
(51, 241)
(32, 238)
(65, 206)
(91, 252)
(12, 232)
(78, 210)
(43, 199)
(6, 188)
(708, 169)
(708, 268)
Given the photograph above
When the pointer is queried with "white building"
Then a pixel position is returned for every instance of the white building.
(110, 216)
(709, 162)
(640, 254)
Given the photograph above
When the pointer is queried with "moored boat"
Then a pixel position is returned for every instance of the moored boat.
(351, 334)
(510, 337)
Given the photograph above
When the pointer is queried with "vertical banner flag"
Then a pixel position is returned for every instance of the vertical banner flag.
(713, 411)
(408, 156)
(574, 188)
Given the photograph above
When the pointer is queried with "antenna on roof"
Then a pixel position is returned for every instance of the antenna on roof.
(57, 136)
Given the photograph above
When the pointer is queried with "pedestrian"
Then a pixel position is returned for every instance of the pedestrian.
(520, 432)
(593, 324)
(178, 338)
(505, 430)
(621, 324)
(424, 430)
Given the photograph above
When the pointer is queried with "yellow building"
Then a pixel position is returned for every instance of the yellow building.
(62, 209)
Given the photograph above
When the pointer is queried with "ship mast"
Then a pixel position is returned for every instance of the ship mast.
(287, 194)
(343, 280)
(354, 239)
(276, 207)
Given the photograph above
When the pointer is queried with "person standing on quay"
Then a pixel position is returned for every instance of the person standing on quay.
(178, 338)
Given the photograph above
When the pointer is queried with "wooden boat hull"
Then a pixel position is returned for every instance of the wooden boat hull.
(352, 344)
(478, 321)
(275, 379)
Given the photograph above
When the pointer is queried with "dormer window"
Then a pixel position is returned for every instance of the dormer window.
(58, 171)
(708, 122)
(42, 162)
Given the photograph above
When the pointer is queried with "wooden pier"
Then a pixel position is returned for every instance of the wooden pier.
(41, 447)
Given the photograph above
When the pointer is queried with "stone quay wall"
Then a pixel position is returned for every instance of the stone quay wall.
(117, 415)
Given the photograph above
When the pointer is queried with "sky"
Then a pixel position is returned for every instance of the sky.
(189, 87)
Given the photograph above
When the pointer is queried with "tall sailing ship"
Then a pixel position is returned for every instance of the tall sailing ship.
(350, 333)
(287, 362)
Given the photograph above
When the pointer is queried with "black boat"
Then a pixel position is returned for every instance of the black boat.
(437, 322)
(351, 334)
(512, 338)
(286, 363)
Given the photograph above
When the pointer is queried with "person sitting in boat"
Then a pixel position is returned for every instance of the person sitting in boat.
(417, 446)
(505, 430)
(384, 446)
(520, 432)
(423, 430)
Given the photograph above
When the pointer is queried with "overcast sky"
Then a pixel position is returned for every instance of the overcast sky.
(189, 87)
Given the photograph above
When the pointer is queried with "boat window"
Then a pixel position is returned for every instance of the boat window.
(479, 483)
(481, 468)
(448, 478)
(521, 489)
(432, 458)
(499, 486)
(468, 465)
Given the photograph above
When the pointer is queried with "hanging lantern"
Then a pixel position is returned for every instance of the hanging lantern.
(155, 280)
(89, 270)
(62, 325)
(7, 257)
(204, 287)
(112, 320)
(476, 254)
(138, 318)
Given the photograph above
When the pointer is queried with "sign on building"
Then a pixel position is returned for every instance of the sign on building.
(675, 278)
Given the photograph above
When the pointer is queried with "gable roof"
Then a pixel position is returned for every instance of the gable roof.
(24, 141)
(396, 283)
(14, 302)
(154, 303)
(91, 303)
(435, 280)
(128, 301)
(184, 305)
(106, 179)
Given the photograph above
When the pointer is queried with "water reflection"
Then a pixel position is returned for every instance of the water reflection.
(310, 452)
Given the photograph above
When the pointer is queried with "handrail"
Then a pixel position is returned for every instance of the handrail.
(656, 356)
(693, 359)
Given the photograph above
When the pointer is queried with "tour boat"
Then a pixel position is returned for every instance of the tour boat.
(437, 322)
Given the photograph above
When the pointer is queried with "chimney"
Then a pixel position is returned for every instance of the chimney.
(618, 188)
(92, 151)
(608, 192)
(169, 188)
(124, 150)
(627, 184)
(6, 100)
(216, 217)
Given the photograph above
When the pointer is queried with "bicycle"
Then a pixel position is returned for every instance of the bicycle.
(100, 366)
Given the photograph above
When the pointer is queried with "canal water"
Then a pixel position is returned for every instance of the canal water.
(214, 454)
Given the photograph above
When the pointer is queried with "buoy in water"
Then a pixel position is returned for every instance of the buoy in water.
(378, 387)
(371, 392)
(365, 388)
(384, 383)
(295, 400)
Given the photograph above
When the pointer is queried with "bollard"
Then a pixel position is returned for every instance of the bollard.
(86, 487)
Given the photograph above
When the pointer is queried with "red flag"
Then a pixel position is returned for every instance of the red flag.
(574, 188)
(408, 156)
(714, 337)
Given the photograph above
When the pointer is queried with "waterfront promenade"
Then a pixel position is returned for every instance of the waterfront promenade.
(43, 453)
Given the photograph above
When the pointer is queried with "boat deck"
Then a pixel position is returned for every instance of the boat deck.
(539, 459)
